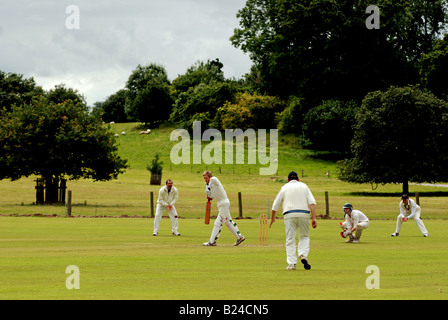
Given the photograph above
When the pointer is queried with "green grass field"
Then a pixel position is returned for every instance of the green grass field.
(118, 258)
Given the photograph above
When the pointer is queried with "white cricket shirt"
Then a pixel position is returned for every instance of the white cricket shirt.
(167, 198)
(296, 196)
(215, 190)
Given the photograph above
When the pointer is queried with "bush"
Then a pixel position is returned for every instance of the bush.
(156, 165)
(250, 111)
(202, 99)
(290, 120)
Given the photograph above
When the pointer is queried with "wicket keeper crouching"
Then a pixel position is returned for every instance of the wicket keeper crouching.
(355, 223)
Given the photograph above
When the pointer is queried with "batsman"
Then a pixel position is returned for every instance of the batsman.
(215, 191)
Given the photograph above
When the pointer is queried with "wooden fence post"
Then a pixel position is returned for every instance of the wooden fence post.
(69, 204)
(240, 205)
(152, 204)
(327, 205)
(417, 198)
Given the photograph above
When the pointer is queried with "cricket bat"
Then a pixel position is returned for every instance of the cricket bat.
(208, 208)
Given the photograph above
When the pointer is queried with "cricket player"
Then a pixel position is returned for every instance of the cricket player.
(298, 202)
(215, 191)
(355, 222)
(409, 209)
(168, 196)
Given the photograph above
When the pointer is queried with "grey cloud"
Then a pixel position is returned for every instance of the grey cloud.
(114, 37)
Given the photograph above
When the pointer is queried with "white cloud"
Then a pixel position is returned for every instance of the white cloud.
(114, 37)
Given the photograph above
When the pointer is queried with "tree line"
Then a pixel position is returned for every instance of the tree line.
(319, 74)
(374, 97)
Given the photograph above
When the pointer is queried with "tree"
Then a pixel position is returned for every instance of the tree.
(202, 102)
(399, 136)
(320, 49)
(113, 108)
(60, 94)
(329, 125)
(198, 73)
(56, 140)
(290, 120)
(15, 90)
(434, 68)
(149, 99)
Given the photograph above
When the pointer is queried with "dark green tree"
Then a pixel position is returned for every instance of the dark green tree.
(202, 103)
(320, 49)
(400, 135)
(149, 99)
(113, 108)
(329, 125)
(60, 94)
(434, 68)
(16, 90)
(57, 140)
(200, 72)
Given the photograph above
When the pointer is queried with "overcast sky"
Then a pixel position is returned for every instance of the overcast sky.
(113, 38)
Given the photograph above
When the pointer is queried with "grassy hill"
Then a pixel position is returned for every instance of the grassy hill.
(130, 193)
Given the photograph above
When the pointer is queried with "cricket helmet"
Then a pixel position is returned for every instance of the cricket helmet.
(348, 206)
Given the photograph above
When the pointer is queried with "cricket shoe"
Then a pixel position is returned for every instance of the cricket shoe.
(291, 267)
(426, 235)
(209, 244)
(356, 240)
(155, 234)
(176, 233)
(241, 239)
(305, 262)
(395, 234)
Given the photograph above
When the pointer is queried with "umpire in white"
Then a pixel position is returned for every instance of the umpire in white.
(168, 196)
(298, 203)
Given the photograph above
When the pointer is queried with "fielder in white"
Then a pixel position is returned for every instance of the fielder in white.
(355, 222)
(168, 196)
(298, 202)
(215, 190)
(409, 209)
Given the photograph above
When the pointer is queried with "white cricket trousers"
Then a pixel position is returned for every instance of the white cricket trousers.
(224, 218)
(303, 248)
(418, 222)
(172, 214)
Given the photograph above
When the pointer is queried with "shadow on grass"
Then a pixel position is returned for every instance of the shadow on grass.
(398, 194)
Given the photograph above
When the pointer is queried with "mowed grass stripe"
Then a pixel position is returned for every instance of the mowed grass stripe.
(120, 259)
